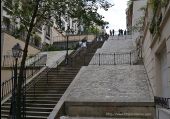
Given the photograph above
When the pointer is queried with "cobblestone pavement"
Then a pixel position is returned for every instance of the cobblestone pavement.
(114, 45)
(111, 84)
(65, 117)
(122, 47)
(53, 56)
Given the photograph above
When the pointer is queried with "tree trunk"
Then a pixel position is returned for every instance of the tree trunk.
(21, 71)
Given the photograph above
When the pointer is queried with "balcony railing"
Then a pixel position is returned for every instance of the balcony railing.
(163, 102)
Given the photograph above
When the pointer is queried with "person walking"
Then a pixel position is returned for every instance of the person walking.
(124, 32)
(119, 32)
(113, 32)
(110, 33)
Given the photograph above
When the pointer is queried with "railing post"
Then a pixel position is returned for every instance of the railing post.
(99, 59)
(71, 61)
(4, 61)
(34, 90)
(114, 59)
(2, 91)
(47, 76)
(130, 58)
(84, 60)
(32, 71)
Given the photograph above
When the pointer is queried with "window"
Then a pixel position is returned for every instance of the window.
(48, 31)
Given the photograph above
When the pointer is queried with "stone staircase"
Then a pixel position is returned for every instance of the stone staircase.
(107, 91)
(42, 97)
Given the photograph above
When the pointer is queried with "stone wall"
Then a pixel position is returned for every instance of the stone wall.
(9, 41)
(153, 47)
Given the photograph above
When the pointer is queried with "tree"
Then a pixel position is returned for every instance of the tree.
(32, 13)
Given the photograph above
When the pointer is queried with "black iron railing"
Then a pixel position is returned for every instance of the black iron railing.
(162, 101)
(56, 65)
(34, 83)
(8, 60)
(112, 58)
(6, 86)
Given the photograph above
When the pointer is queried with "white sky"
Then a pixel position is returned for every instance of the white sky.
(116, 15)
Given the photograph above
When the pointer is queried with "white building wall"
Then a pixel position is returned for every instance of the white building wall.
(137, 13)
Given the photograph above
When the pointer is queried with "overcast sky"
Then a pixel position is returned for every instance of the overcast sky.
(116, 15)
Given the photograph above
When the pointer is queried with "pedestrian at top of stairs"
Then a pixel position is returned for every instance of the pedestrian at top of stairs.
(113, 32)
(110, 32)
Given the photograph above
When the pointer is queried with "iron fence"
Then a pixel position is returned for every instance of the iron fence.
(110, 58)
(8, 60)
(162, 101)
(6, 86)
(48, 69)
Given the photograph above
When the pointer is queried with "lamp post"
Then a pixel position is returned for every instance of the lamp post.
(16, 52)
(67, 33)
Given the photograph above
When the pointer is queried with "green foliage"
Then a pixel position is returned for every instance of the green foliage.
(37, 40)
(51, 48)
(6, 21)
(92, 29)
(156, 3)
(85, 11)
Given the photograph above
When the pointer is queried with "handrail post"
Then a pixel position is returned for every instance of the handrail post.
(130, 58)
(34, 89)
(2, 91)
(99, 59)
(47, 75)
(114, 59)
(84, 60)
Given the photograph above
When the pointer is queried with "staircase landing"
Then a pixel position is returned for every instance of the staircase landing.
(105, 91)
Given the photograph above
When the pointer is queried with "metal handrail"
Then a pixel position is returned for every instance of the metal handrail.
(7, 60)
(6, 86)
(130, 57)
(35, 82)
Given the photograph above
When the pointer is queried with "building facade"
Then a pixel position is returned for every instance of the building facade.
(155, 42)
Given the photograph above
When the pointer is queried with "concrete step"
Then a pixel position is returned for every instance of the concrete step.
(43, 95)
(6, 116)
(56, 81)
(45, 92)
(37, 88)
(58, 75)
(32, 113)
(40, 101)
(33, 105)
(51, 86)
(38, 109)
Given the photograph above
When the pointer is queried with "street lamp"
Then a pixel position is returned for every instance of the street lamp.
(67, 34)
(16, 53)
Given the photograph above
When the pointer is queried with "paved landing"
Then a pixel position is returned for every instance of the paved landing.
(111, 84)
(94, 118)
(114, 45)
